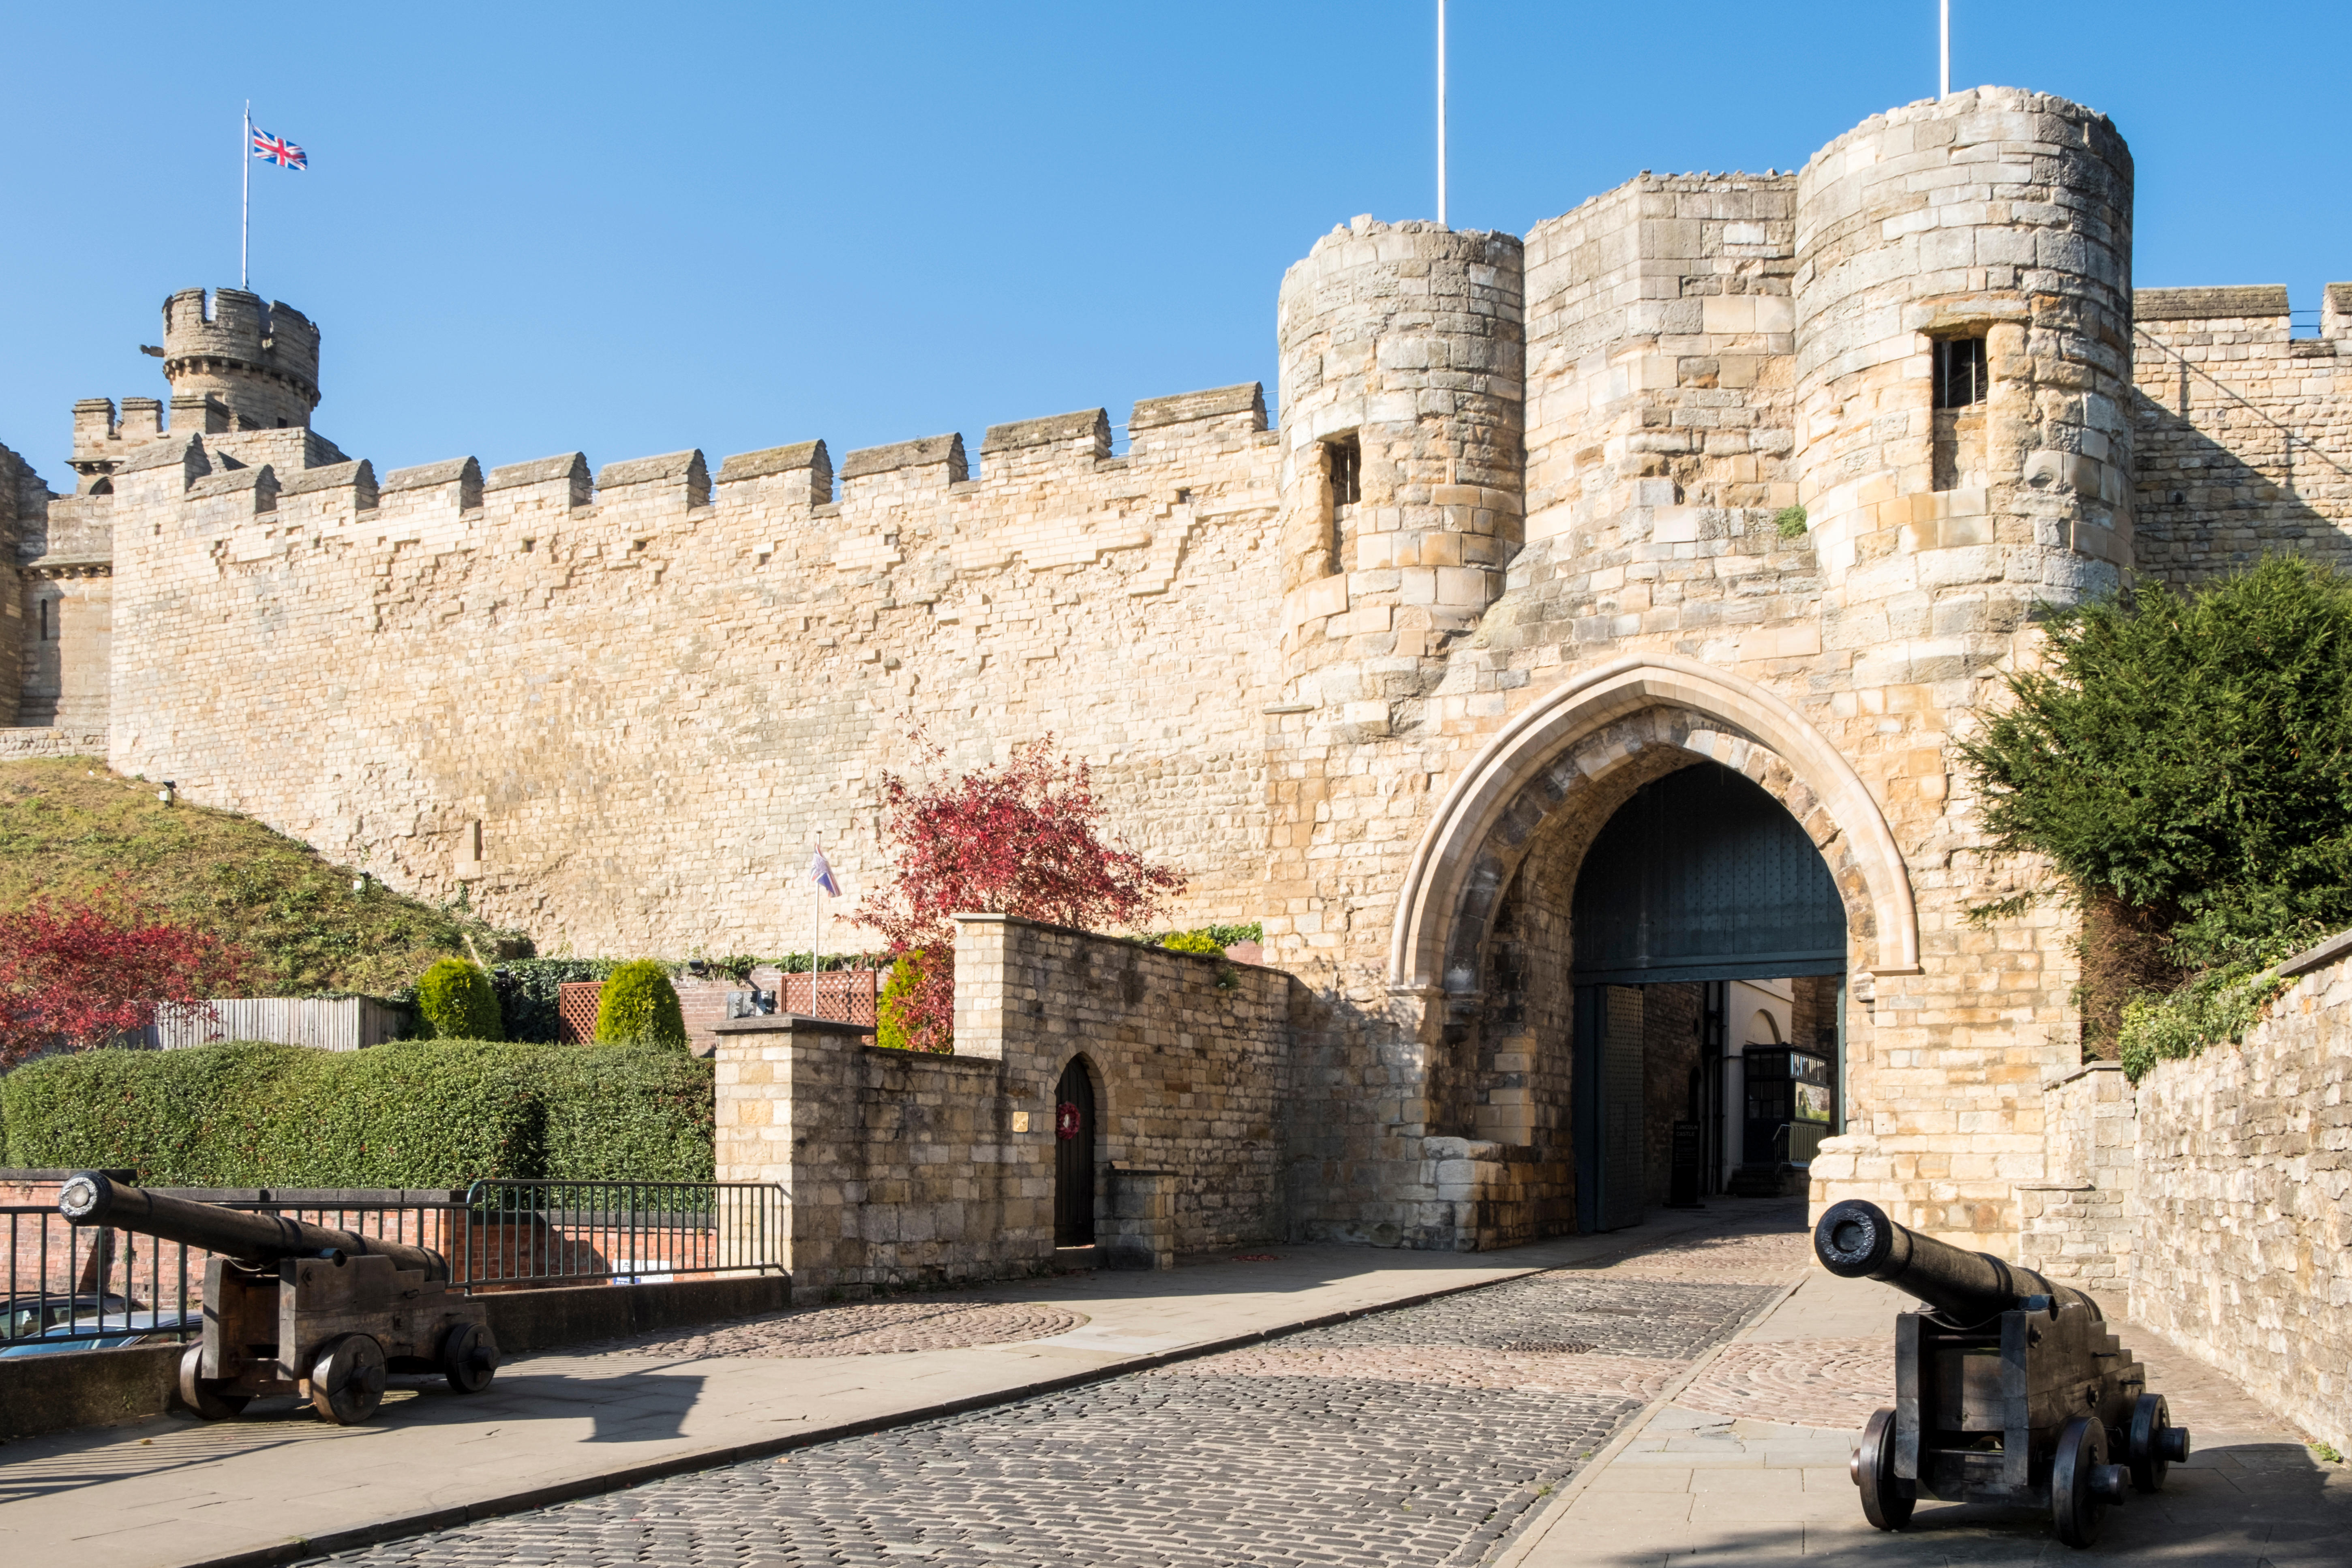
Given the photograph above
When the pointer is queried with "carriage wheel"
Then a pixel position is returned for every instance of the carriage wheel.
(203, 1394)
(1887, 1499)
(347, 1379)
(469, 1357)
(2081, 1482)
(2156, 1445)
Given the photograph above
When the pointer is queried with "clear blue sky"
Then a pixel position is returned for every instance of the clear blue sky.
(629, 230)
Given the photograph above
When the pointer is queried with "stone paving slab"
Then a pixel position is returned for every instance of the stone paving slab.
(1710, 1477)
(174, 1492)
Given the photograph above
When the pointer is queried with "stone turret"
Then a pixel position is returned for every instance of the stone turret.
(258, 363)
(1964, 373)
(1402, 356)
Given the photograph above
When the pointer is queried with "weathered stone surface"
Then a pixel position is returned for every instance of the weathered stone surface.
(1372, 678)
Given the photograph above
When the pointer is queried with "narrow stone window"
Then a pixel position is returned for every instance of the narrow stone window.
(1347, 471)
(1958, 461)
(1959, 372)
(48, 621)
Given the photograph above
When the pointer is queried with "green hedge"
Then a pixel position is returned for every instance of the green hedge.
(415, 1113)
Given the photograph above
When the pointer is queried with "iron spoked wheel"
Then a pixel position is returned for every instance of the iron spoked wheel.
(469, 1358)
(1887, 1499)
(203, 1394)
(347, 1379)
(2156, 1445)
(2081, 1482)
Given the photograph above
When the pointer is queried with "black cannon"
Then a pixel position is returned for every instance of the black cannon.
(292, 1308)
(2008, 1389)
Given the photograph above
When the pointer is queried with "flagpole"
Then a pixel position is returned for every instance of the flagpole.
(244, 214)
(817, 941)
(1440, 113)
(1945, 18)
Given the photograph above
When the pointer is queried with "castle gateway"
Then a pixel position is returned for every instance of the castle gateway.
(1571, 768)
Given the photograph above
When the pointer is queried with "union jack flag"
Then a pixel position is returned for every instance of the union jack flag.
(279, 151)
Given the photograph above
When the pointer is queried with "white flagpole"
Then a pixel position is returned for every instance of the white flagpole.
(1440, 113)
(817, 939)
(1945, 17)
(245, 215)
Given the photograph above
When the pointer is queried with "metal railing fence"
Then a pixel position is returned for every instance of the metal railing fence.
(79, 1286)
(539, 1233)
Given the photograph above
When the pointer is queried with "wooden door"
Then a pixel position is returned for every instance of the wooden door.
(1074, 1158)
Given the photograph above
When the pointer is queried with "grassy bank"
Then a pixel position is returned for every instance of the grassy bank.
(68, 827)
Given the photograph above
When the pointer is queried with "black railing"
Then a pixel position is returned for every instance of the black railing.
(79, 1286)
(553, 1233)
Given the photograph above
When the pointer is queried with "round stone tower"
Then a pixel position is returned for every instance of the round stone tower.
(1402, 356)
(258, 361)
(1963, 312)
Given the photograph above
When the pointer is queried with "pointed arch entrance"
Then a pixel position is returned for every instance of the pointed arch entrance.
(1484, 952)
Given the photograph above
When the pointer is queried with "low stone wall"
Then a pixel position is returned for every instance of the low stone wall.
(1190, 1074)
(25, 743)
(2243, 1245)
(907, 1169)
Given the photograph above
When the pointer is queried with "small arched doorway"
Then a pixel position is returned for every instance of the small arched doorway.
(1698, 890)
(1075, 1133)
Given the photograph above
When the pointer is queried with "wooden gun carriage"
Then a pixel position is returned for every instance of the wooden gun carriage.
(2008, 1389)
(299, 1308)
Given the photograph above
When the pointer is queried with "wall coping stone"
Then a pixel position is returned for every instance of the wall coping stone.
(1247, 397)
(2235, 303)
(2329, 952)
(928, 451)
(789, 1024)
(1105, 936)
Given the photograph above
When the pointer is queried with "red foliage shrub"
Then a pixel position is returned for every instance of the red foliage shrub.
(81, 974)
(1024, 839)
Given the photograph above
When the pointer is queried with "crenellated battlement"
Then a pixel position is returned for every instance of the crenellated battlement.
(259, 359)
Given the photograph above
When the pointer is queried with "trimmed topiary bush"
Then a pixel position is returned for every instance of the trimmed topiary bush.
(639, 1007)
(894, 1019)
(455, 1001)
(415, 1113)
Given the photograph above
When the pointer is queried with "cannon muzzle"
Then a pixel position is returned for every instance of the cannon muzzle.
(1855, 1239)
(90, 1197)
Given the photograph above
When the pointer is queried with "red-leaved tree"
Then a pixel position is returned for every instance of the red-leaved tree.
(1024, 839)
(82, 974)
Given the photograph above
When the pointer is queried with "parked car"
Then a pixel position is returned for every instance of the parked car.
(105, 1332)
(27, 1318)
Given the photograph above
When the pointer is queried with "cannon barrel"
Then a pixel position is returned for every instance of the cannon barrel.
(1855, 1239)
(90, 1197)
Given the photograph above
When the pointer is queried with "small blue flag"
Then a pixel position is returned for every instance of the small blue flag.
(822, 875)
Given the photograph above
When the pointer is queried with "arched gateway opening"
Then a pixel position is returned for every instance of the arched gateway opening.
(1650, 870)
(1708, 953)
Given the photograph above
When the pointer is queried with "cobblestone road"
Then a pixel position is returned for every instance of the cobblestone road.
(1421, 1436)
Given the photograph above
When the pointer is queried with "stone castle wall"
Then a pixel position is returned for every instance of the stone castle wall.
(2214, 1202)
(2242, 1248)
(639, 698)
(1542, 520)
(2244, 430)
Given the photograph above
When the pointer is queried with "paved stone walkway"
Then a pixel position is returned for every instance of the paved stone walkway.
(864, 1327)
(1422, 1436)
